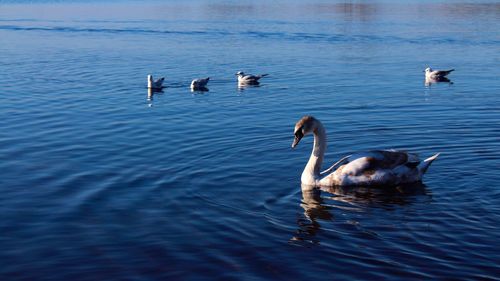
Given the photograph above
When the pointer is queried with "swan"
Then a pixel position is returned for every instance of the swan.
(248, 79)
(199, 84)
(436, 74)
(156, 85)
(372, 168)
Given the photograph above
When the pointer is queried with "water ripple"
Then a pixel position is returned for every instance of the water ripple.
(97, 182)
(296, 36)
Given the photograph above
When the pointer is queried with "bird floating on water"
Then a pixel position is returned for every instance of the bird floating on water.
(200, 84)
(436, 74)
(248, 79)
(155, 85)
(371, 168)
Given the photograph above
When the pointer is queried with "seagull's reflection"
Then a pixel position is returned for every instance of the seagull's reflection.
(320, 208)
(244, 86)
(151, 93)
(199, 90)
(429, 81)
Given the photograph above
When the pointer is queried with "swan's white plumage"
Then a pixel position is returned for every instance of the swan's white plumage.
(377, 167)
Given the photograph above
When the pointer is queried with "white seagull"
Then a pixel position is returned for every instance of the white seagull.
(199, 84)
(247, 79)
(155, 85)
(436, 74)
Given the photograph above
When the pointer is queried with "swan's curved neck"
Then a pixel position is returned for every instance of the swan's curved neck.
(311, 173)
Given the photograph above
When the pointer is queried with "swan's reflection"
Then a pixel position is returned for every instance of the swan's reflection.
(377, 196)
(314, 209)
(429, 81)
(320, 208)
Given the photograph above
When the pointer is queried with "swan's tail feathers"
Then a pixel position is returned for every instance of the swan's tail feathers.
(423, 166)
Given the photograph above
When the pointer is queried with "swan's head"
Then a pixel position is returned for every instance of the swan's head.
(428, 69)
(304, 126)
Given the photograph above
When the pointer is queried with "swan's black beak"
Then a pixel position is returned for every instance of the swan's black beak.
(298, 137)
(295, 142)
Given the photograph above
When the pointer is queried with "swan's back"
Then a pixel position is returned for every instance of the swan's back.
(377, 167)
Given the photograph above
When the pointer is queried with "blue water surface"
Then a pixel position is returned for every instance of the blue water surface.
(101, 181)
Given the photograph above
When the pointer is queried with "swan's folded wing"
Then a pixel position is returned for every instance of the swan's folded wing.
(383, 159)
(392, 158)
(342, 161)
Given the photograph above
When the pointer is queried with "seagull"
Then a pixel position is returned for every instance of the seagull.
(247, 79)
(199, 84)
(155, 85)
(436, 74)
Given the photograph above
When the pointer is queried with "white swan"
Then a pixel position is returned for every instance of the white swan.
(156, 85)
(247, 79)
(436, 74)
(199, 84)
(377, 167)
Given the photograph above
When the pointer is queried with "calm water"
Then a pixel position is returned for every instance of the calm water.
(98, 183)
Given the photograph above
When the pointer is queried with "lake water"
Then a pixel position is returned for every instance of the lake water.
(98, 182)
